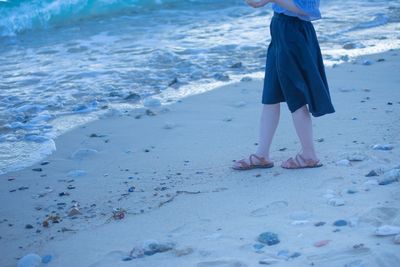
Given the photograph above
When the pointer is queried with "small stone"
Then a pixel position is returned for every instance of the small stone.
(131, 189)
(340, 223)
(268, 238)
(246, 79)
(390, 177)
(336, 202)
(366, 62)
(221, 77)
(29, 260)
(351, 191)
(380, 60)
(386, 230)
(73, 212)
(46, 259)
(127, 259)
(37, 169)
(372, 173)
(28, 226)
(318, 224)
(44, 163)
(382, 147)
(321, 243)
(356, 156)
(62, 194)
(320, 140)
(343, 162)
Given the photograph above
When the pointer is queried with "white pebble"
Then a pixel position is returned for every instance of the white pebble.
(386, 230)
(336, 202)
(29, 260)
(343, 162)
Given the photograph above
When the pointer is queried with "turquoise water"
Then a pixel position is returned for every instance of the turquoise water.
(64, 62)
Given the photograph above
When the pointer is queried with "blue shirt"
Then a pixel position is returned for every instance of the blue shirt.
(310, 7)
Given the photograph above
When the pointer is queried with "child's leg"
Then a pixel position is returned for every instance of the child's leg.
(268, 123)
(303, 124)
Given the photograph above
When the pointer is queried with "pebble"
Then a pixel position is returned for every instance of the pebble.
(343, 162)
(372, 173)
(317, 224)
(286, 254)
(396, 239)
(29, 260)
(367, 62)
(246, 79)
(151, 247)
(321, 243)
(351, 191)
(131, 189)
(386, 230)
(336, 202)
(390, 177)
(340, 223)
(221, 77)
(37, 169)
(382, 147)
(73, 212)
(268, 238)
(356, 156)
(28, 226)
(46, 259)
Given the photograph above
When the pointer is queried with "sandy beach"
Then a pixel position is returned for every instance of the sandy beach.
(154, 186)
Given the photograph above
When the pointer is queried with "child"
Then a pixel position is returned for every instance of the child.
(294, 74)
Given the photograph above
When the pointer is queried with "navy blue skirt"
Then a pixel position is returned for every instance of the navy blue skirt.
(294, 71)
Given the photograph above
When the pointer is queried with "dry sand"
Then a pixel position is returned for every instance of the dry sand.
(170, 176)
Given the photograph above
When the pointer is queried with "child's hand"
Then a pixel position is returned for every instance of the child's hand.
(257, 4)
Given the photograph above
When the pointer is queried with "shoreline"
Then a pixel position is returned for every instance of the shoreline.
(176, 159)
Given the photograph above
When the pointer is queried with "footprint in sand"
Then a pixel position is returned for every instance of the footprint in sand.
(273, 207)
(378, 216)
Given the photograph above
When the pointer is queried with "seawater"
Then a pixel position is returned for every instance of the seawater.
(64, 62)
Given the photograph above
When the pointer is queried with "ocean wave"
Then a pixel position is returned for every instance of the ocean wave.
(18, 16)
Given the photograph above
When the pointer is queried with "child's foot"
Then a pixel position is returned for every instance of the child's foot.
(254, 161)
(299, 162)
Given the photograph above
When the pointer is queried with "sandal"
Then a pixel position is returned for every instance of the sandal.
(299, 163)
(245, 166)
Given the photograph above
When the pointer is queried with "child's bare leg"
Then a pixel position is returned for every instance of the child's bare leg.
(268, 123)
(303, 124)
